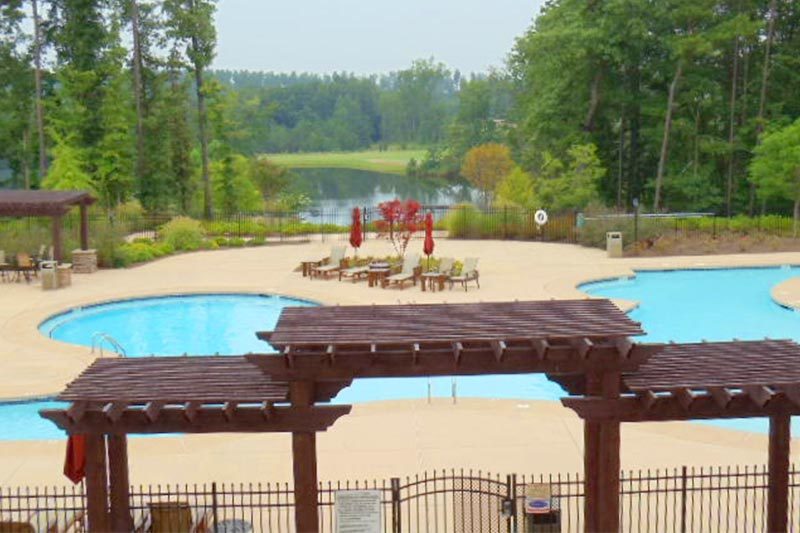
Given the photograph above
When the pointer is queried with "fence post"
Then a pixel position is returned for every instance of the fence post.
(214, 504)
(396, 505)
(714, 226)
(505, 222)
(511, 495)
(683, 499)
(364, 223)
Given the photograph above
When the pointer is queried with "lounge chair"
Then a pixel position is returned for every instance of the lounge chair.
(334, 263)
(468, 273)
(174, 517)
(410, 271)
(354, 272)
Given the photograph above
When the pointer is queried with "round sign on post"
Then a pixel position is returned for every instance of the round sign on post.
(540, 217)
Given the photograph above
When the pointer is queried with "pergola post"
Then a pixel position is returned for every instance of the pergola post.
(304, 457)
(84, 227)
(780, 435)
(119, 483)
(57, 244)
(602, 460)
(96, 483)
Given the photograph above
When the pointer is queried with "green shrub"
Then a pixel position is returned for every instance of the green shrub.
(257, 241)
(132, 253)
(221, 242)
(183, 233)
(236, 242)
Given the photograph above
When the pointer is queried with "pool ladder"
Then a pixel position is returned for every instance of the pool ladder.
(97, 343)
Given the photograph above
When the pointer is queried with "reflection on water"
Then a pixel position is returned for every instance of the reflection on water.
(342, 189)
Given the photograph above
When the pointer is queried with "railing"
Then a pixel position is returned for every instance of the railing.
(99, 337)
(683, 499)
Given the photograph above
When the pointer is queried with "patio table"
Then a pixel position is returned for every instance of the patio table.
(433, 280)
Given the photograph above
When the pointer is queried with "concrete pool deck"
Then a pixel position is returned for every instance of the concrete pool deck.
(32, 365)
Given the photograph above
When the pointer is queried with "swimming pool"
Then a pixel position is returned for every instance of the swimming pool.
(713, 305)
(679, 305)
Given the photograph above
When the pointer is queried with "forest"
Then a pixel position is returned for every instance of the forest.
(674, 105)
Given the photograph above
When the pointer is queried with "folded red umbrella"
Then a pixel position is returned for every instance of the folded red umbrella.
(355, 229)
(427, 246)
(75, 462)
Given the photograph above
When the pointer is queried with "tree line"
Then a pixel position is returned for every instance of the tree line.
(669, 103)
(676, 95)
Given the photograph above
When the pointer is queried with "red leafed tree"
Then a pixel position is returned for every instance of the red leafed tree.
(399, 221)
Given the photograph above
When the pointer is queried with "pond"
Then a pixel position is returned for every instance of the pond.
(334, 189)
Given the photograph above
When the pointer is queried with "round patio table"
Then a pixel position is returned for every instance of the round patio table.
(433, 280)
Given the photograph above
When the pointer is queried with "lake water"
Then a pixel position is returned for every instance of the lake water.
(342, 189)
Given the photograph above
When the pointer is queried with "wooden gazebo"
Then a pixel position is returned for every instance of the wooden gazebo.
(53, 204)
(584, 345)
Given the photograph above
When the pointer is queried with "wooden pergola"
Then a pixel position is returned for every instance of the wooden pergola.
(116, 397)
(53, 204)
(585, 345)
(715, 380)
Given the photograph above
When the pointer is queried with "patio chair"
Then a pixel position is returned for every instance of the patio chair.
(4, 267)
(334, 263)
(25, 267)
(410, 271)
(468, 273)
(446, 265)
(174, 517)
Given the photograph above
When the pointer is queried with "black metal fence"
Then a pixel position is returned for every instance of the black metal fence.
(677, 500)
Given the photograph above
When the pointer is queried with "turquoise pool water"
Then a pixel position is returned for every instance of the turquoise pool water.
(680, 305)
(715, 305)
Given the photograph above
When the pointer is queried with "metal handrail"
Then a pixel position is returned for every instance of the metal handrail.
(97, 342)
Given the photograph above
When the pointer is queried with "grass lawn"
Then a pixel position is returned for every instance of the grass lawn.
(390, 161)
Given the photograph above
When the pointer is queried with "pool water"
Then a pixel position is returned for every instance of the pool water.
(204, 324)
(713, 305)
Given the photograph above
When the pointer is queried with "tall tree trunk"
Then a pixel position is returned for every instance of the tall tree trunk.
(662, 160)
(594, 100)
(731, 129)
(26, 164)
(634, 162)
(37, 75)
(202, 118)
(620, 162)
(762, 99)
(796, 216)
(138, 90)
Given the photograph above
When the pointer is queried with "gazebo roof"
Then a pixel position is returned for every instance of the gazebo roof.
(735, 379)
(432, 323)
(41, 203)
(560, 336)
(186, 395)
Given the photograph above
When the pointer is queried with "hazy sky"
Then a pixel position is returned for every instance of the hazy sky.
(368, 36)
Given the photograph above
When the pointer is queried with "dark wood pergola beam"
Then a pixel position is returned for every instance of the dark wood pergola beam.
(460, 360)
(646, 408)
(204, 420)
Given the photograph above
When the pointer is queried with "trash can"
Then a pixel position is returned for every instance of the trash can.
(614, 244)
(64, 274)
(47, 270)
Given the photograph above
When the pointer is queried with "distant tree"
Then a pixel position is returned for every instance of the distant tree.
(516, 190)
(400, 220)
(271, 179)
(191, 24)
(485, 166)
(775, 169)
(570, 186)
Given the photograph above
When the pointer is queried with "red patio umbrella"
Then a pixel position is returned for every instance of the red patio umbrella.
(355, 230)
(428, 246)
(75, 462)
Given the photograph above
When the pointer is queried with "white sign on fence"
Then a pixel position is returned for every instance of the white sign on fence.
(358, 511)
